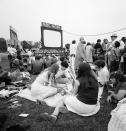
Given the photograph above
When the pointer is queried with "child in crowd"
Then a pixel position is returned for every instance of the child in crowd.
(114, 57)
(63, 76)
(103, 75)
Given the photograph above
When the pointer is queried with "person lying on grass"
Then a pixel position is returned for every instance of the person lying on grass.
(117, 88)
(83, 97)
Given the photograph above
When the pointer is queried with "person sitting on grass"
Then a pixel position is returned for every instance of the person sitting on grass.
(117, 88)
(36, 66)
(103, 73)
(83, 97)
(63, 76)
(42, 88)
(8, 77)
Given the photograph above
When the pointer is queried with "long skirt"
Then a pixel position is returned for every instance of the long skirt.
(80, 108)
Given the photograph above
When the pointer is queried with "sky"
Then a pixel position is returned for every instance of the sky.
(84, 17)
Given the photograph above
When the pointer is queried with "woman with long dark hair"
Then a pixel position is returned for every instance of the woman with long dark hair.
(83, 98)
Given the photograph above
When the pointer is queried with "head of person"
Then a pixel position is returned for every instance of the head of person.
(54, 69)
(64, 65)
(73, 42)
(99, 41)
(37, 57)
(62, 58)
(113, 37)
(82, 40)
(88, 43)
(117, 44)
(99, 64)
(84, 70)
(105, 41)
(115, 77)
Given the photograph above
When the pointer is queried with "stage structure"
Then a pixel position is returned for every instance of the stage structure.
(51, 39)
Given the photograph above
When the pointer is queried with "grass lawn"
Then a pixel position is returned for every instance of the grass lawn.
(65, 122)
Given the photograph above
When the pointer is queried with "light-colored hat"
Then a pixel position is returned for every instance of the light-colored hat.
(114, 35)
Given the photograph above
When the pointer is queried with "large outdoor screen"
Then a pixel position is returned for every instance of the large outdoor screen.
(52, 38)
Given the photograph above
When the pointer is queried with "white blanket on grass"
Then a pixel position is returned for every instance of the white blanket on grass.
(51, 101)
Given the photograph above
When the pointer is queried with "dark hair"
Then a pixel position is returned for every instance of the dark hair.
(117, 44)
(37, 57)
(62, 58)
(98, 40)
(84, 70)
(118, 75)
(64, 64)
(100, 63)
(88, 43)
(73, 42)
(85, 76)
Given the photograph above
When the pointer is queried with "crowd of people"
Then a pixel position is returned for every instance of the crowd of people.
(80, 78)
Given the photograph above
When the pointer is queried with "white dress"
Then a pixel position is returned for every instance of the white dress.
(38, 88)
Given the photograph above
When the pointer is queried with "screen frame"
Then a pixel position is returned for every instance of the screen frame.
(42, 37)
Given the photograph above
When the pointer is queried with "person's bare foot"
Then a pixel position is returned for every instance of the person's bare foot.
(63, 110)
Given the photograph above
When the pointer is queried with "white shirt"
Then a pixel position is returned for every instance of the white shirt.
(62, 72)
(103, 75)
(73, 48)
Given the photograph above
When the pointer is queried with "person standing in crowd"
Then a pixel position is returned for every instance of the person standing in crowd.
(104, 45)
(73, 48)
(89, 52)
(113, 39)
(83, 102)
(98, 50)
(80, 54)
(114, 57)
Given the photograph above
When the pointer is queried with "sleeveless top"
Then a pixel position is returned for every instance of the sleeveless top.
(88, 95)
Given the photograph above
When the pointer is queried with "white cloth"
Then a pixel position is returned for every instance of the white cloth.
(80, 108)
(103, 75)
(50, 101)
(12, 50)
(73, 48)
(122, 45)
(118, 119)
(38, 88)
(88, 51)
